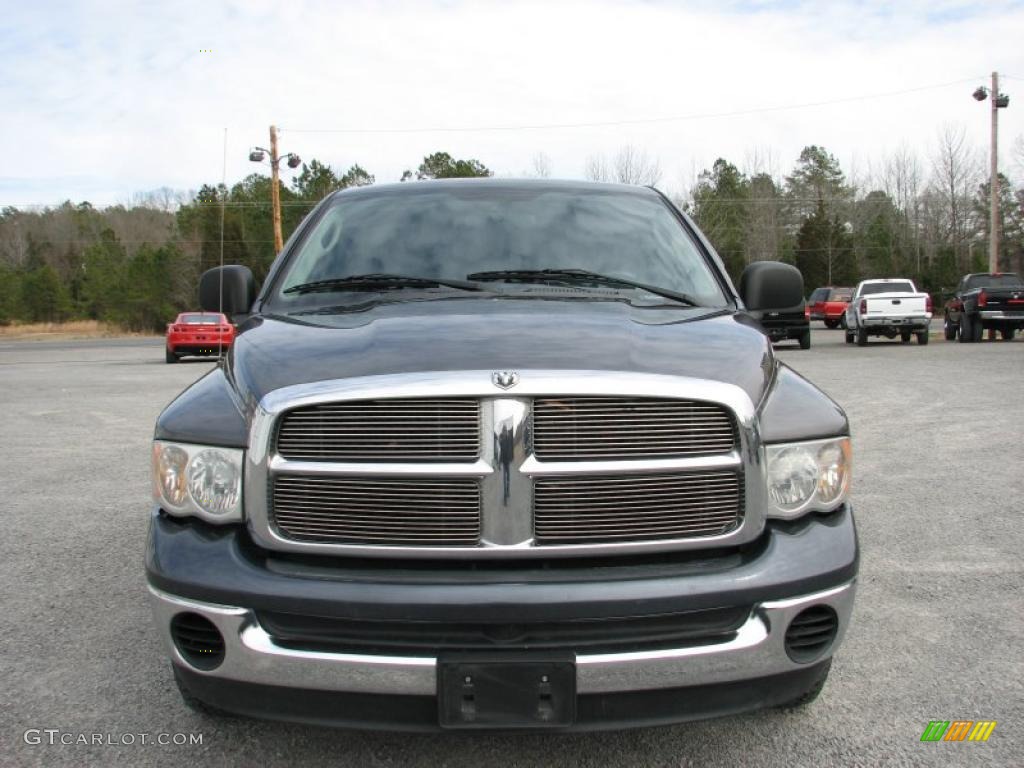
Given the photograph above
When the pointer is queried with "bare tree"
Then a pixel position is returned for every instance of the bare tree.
(541, 166)
(596, 169)
(957, 171)
(628, 166)
(633, 166)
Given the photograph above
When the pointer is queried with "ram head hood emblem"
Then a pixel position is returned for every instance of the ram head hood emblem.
(505, 379)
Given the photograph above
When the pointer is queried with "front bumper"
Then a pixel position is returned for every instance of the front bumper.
(215, 573)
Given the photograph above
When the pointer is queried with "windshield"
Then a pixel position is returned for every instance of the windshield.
(1007, 280)
(200, 319)
(898, 286)
(449, 232)
(841, 294)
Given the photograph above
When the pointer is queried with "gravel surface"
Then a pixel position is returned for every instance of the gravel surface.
(939, 451)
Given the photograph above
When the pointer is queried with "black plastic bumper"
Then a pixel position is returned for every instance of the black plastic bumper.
(607, 711)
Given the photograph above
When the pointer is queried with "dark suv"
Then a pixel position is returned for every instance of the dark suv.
(499, 454)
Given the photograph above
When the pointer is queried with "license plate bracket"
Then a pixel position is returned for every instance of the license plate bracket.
(506, 691)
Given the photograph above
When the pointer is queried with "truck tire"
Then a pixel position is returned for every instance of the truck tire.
(805, 340)
(849, 336)
(1008, 333)
(905, 336)
(922, 336)
(949, 329)
(842, 322)
(966, 329)
(862, 337)
(832, 324)
(169, 356)
(811, 693)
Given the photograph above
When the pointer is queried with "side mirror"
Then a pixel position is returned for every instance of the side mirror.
(239, 290)
(771, 285)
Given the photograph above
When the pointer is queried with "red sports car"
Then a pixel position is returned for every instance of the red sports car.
(198, 333)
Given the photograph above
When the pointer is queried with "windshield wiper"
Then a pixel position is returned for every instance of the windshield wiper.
(379, 281)
(579, 276)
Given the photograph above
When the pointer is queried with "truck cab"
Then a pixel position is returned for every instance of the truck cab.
(499, 454)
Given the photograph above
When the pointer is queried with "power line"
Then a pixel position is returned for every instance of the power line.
(636, 121)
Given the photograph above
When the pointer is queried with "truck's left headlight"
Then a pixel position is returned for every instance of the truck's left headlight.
(802, 477)
(198, 480)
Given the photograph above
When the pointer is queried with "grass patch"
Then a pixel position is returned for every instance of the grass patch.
(75, 329)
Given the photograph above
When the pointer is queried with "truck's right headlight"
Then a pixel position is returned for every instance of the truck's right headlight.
(198, 480)
(807, 476)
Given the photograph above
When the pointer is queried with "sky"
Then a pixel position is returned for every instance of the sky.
(104, 100)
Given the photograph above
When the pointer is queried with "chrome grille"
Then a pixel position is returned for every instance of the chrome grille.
(587, 510)
(382, 430)
(346, 510)
(572, 428)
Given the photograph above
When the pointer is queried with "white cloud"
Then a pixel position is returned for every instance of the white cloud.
(123, 96)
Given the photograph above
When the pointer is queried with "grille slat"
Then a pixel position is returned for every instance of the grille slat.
(443, 512)
(578, 428)
(572, 511)
(383, 430)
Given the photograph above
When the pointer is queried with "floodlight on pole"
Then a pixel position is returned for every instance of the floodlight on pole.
(256, 155)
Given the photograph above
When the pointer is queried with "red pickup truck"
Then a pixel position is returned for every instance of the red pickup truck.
(829, 304)
(199, 334)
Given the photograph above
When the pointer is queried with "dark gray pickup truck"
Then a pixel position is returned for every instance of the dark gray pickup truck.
(499, 454)
(985, 301)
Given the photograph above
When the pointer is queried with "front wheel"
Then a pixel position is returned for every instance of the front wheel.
(862, 337)
(922, 337)
(849, 336)
(842, 322)
(832, 324)
(805, 340)
(949, 329)
(1008, 333)
(905, 336)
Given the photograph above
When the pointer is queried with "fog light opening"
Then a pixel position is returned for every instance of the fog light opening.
(811, 633)
(198, 641)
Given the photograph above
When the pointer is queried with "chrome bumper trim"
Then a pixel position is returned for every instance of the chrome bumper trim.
(999, 314)
(912, 321)
(251, 655)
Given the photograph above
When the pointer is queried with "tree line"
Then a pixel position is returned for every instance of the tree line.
(137, 265)
(901, 218)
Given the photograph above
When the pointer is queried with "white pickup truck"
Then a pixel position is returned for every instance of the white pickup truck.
(888, 308)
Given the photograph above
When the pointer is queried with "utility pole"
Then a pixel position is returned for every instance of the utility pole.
(256, 156)
(993, 241)
(275, 191)
(999, 101)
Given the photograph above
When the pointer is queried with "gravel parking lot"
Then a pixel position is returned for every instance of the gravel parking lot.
(937, 632)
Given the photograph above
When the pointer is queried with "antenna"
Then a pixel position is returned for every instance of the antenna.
(223, 204)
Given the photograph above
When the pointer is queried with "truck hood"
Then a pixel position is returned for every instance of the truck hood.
(500, 334)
